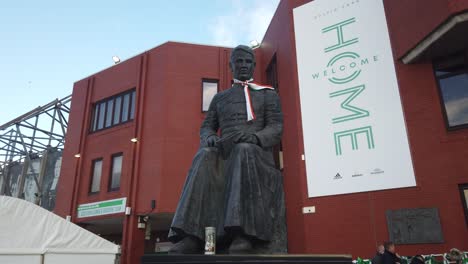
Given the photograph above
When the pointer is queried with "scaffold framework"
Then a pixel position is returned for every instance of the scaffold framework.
(25, 144)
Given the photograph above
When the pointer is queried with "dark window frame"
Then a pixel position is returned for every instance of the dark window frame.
(91, 178)
(462, 188)
(109, 184)
(437, 77)
(207, 80)
(95, 107)
(271, 73)
(272, 79)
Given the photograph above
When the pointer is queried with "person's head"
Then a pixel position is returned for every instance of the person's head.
(380, 249)
(389, 246)
(455, 254)
(242, 63)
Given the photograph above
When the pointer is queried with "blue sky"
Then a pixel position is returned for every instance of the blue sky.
(45, 46)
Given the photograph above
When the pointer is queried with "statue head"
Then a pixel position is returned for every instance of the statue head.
(242, 63)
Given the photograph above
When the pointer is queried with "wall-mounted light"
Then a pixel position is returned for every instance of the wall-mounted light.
(116, 59)
(254, 44)
(77, 155)
(134, 140)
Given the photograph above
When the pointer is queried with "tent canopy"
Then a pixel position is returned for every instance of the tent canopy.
(26, 228)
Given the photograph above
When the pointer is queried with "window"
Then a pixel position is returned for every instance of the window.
(464, 197)
(116, 172)
(113, 111)
(272, 79)
(102, 111)
(109, 110)
(209, 90)
(96, 176)
(452, 75)
(126, 105)
(272, 73)
(118, 106)
(132, 103)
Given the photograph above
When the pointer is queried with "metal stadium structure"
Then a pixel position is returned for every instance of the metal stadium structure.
(31, 148)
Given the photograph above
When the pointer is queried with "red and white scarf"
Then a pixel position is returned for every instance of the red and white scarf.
(248, 102)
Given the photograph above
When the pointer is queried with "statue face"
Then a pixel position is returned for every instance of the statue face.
(242, 65)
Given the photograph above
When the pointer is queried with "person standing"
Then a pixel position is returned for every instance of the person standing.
(377, 259)
(390, 256)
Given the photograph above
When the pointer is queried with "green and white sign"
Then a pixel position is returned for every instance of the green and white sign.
(354, 131)
(102, 208)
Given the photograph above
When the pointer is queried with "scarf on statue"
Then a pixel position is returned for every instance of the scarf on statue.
(248, 102)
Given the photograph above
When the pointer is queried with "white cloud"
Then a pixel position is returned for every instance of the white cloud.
(241, 25)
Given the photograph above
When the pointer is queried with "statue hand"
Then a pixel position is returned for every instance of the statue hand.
(246, 138)
(211, 140)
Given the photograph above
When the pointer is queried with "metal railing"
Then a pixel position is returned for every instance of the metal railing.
(428, 259)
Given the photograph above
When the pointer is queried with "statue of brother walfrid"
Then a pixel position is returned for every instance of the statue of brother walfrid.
(233, 184)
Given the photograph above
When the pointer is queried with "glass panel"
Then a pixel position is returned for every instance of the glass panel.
(110, 108)
(116, 172)
(97, 172)
(209, 91)
(102, 112)
(132, 106)
(118, 107)
(465, 192)
(125, 107)
(95, 118)
(455, 95)
(1, 183)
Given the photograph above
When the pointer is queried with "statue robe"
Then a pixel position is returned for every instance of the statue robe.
(236, 186)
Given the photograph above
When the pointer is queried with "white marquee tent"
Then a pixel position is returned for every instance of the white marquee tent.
(31, 234)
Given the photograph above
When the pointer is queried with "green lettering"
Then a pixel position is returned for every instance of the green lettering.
(339, 30)
(357, 112)
(338, 57)
(352, 134)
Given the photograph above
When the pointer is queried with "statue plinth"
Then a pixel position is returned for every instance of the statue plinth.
(246, 259)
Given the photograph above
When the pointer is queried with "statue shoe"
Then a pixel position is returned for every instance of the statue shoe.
(240, 245)
(188, 245)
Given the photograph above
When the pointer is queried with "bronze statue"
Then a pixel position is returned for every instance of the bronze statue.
(233, 183)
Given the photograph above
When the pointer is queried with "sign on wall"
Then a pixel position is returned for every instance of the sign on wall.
(414, 226)
(102, 208)
(354, 132)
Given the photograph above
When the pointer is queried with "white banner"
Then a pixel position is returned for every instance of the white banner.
(354, 132)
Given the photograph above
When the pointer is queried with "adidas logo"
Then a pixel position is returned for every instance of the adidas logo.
(337, 176)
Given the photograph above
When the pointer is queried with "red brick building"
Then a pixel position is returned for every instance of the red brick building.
(148, 141)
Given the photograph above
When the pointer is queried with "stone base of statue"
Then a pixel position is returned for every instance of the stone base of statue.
(246, 259)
